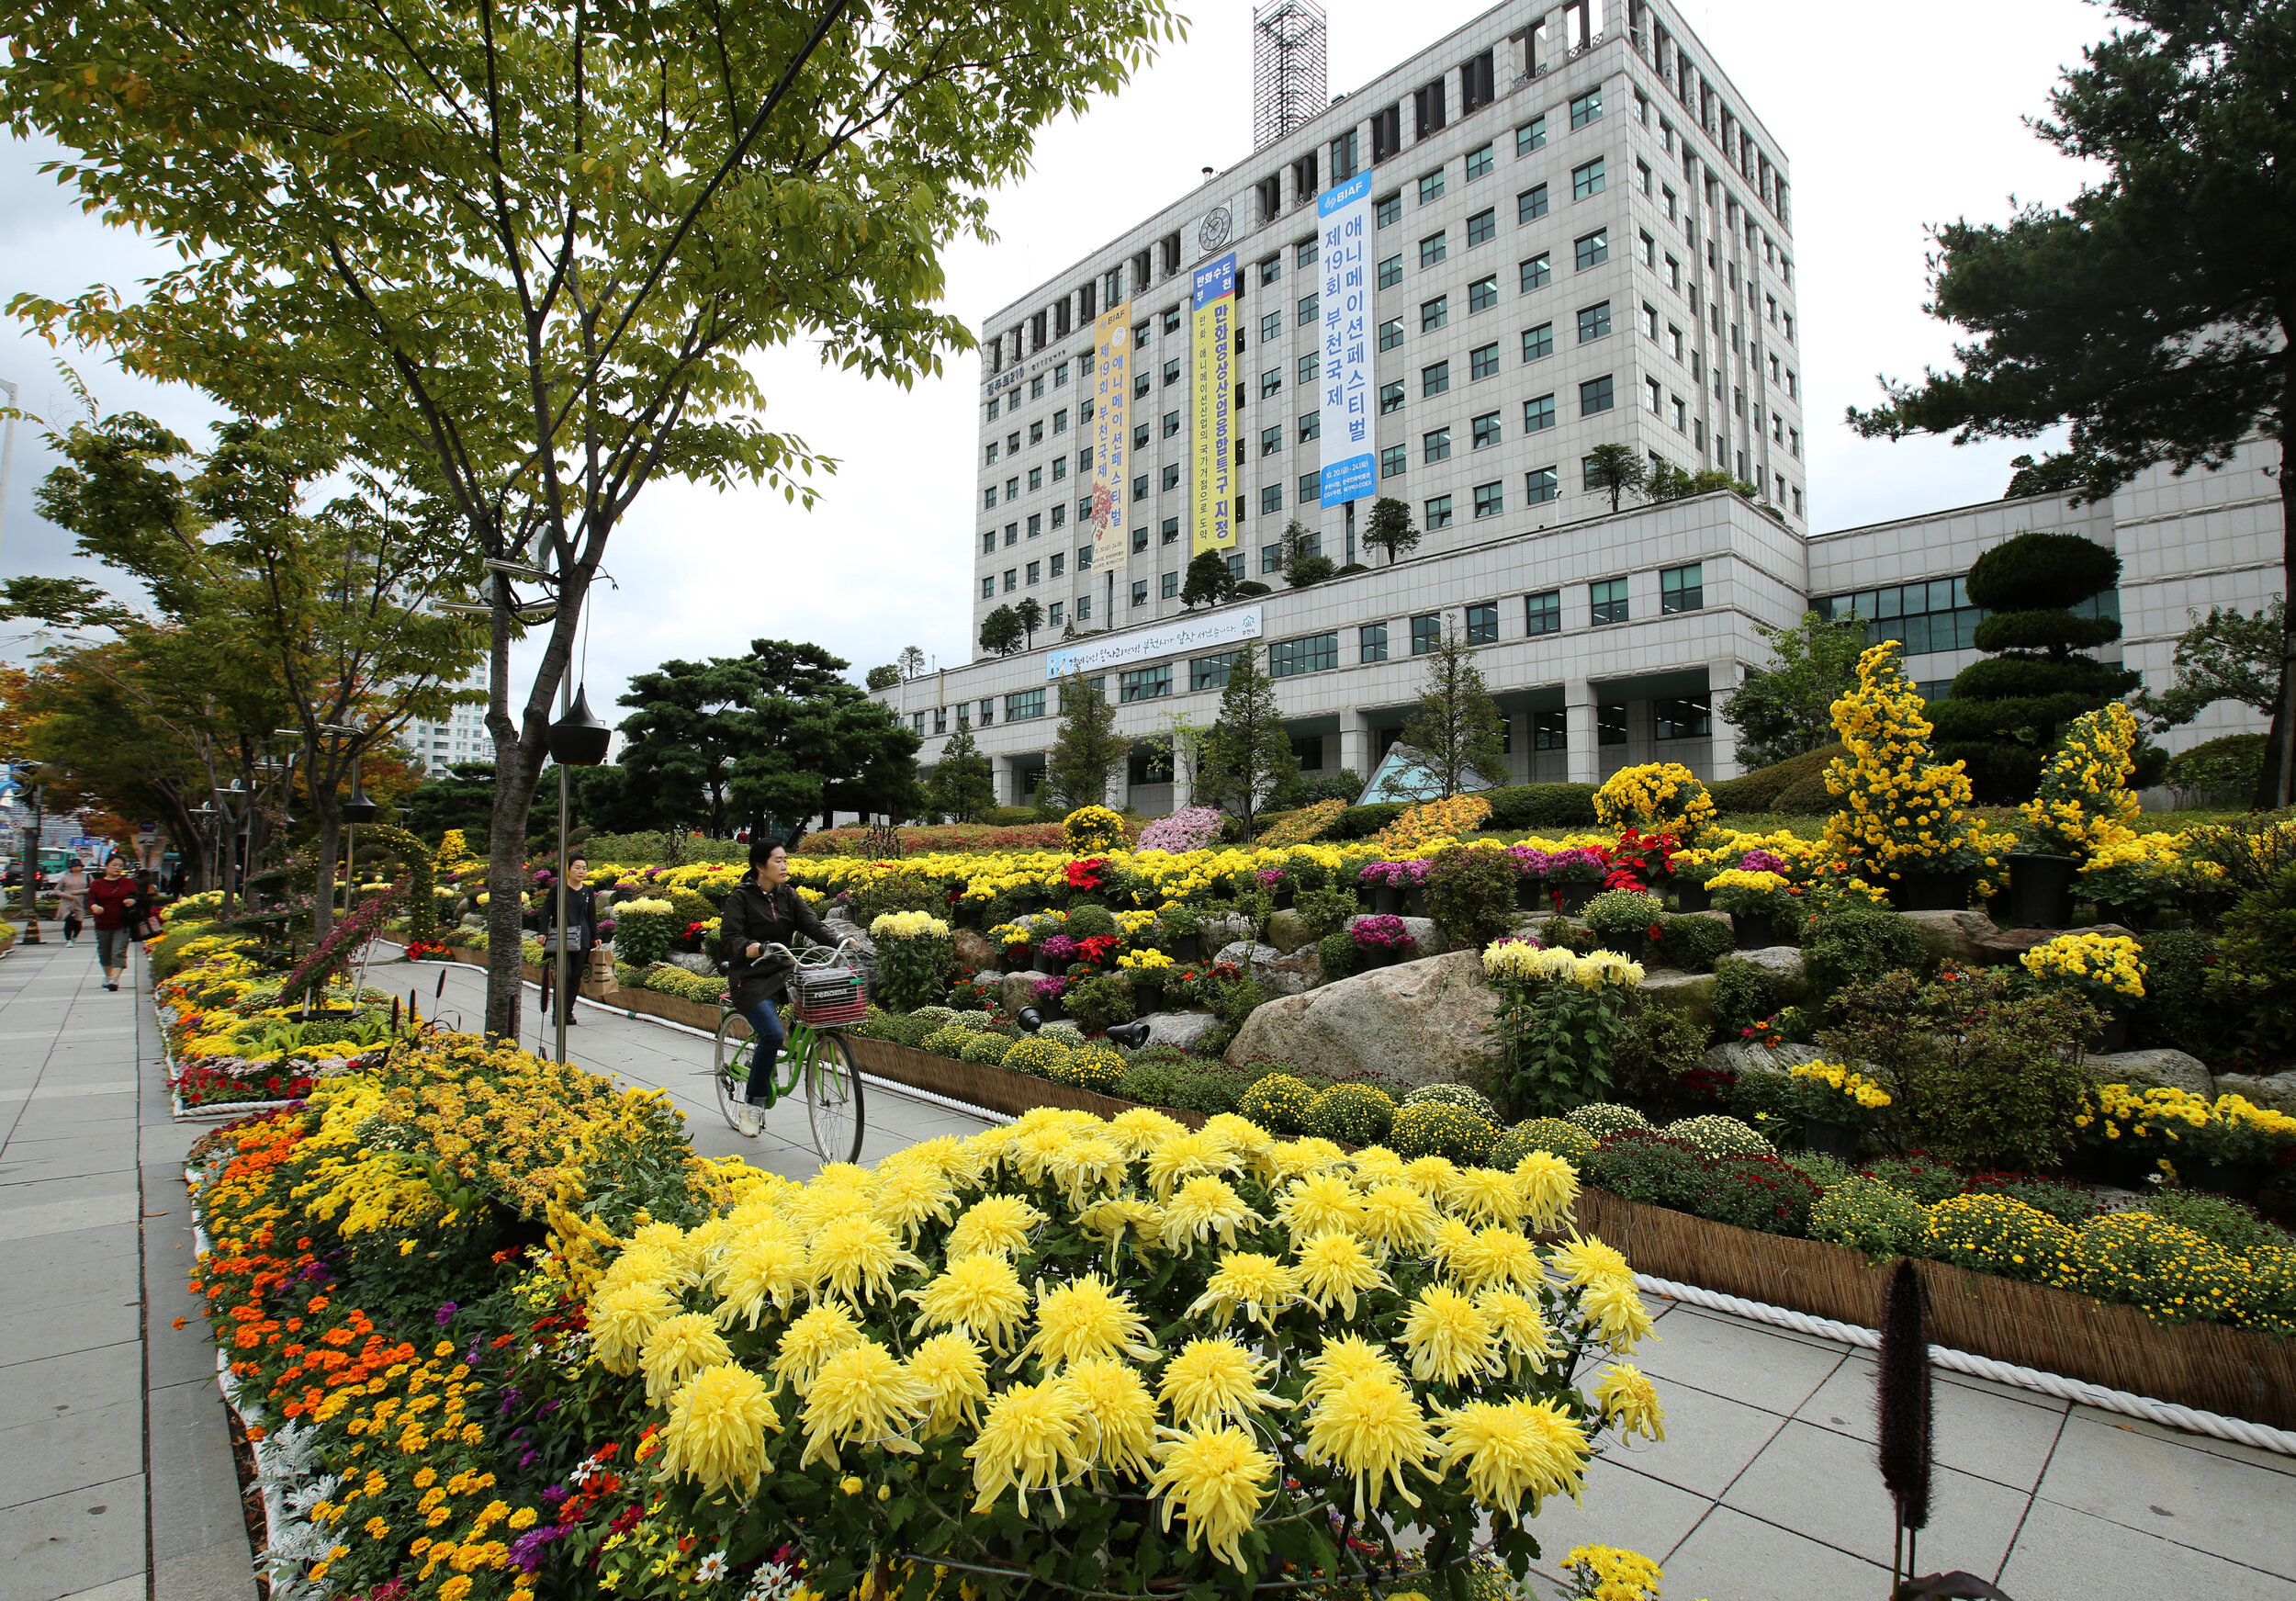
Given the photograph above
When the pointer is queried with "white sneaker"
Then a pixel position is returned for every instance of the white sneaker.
(746, 1121)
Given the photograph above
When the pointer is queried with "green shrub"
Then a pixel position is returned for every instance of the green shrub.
(2069, 1203)
(1277, 1102)
(1922, 1177)
(1096, 1003)
(1464, 1096)
(1857, 946)
(1234, 1001)
(1823, 1171)
(1869, 1217)
(1744, 994)
(2177, 1011)
(1551, 1134)
(1763, 1100)
(1605, 1119)
(949, 1039)
(1090, 921)
(1692, 944)
(1435, 1128)
(1759, 790)
(1541, 805)
(1036, 1056)
(1470, 892)
(1335, 956)
(1098, 1067)
(1809, 798)
(985, 1049)
(1645, 1168)
(1012, 817)
(1210, 1089)
(2223, 769)
(1359, 1114)
(691, 906)
(900, 892)
(2227, 1222)
(1993, 1233)
(1150, 1083)
(1714, 1136)
(1362, 822)
(1657, 1045)
(2255, 972)
(1326, 911)
(1764, 1193)
(1622, 913)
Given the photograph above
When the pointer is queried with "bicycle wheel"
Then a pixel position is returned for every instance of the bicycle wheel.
(833, 1099)
(729, 1068)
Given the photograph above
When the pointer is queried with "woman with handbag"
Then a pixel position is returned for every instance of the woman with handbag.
(116, 903)
(762, 909)
(71, 900)
(582, 932)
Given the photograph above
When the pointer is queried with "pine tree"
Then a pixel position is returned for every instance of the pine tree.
(1209, 580)
(963, 786)
(1248, 751)
(1391, 528)
(1001, 631)
(1304, 563)
(1616, 470)
(1456, 728)
(1089, 750)
(1031, 612)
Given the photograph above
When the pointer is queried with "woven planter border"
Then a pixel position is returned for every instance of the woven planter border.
(994, 1088)
(2236, 1371)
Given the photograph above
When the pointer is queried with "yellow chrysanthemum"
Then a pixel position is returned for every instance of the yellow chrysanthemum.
(861, 1394)
(1549, 1187)
(763, 1266)
(978, 1295)
(1583, 1260)
(1319, 1204)
(620, 1321)
(911, 1193)
(1448, 1337)
(1372, 1428)
(678, 1348)
(1028, 1442)
(810, 1341)
(1204, 1208)
(993, 1225)
(1342, 1359)
(951, 1369)
(1216, 1480)
(1625, 1396)
(1496, 1258)
(1399, 1220)
(1118, 1415)
(1618, 1315)
(1211, 1379)
(1515, 1449)
(1142, 1129)
(1377, 1165)
(1433, 1177)
(1119, 1216)
(1336, 1268)
(1487, 1197)
(1180, 1157)
(1261, 1285)
(1520, 1326)
(1088, 1318)
(856, 1258)
(716, 1430)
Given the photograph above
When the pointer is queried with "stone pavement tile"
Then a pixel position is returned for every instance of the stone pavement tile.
(72, 1451)
(195, 1484)
(67, 1216)
(129, 1589)
(216, 1572)
(2061, 1552)
(84, 1186)
(86, 1264)
(32, 1329)
(56, 1086)
(2006, 1440)
(1825, 1486)
(42, 1390)
(1725, 1357)
(1709, 1439)
(2164, 1487)
(1732, 1557)
(62, 1546)
(1621, 1508)
(94, 1118)
(29, 1162)
(2255, 1457)
(162, 1144)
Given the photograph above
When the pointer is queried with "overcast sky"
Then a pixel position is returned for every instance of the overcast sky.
(1893, 116)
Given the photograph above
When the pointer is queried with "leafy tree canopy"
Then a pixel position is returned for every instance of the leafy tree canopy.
(1785, 709)
(1208, 581)
(1390, 528)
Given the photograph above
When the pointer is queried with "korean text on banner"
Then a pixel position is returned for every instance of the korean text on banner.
(1111, 444)
(1343, 214)
(1213, 353)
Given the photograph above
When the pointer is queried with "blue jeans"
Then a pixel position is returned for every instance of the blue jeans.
(765, 1025)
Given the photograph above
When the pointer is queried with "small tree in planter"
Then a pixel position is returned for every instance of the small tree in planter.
(1623, 916)
(1658, 798)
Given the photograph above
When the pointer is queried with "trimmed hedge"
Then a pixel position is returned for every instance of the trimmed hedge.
(1541, 805)
(1759, 790)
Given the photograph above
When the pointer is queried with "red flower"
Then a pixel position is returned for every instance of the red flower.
(1086, 874)
(1654, 932)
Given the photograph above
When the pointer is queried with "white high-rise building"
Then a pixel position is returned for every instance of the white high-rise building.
(461, 736)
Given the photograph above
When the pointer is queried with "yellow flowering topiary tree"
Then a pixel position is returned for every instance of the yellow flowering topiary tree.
(1901, 812)
(1421, 825)
(1658, 798)
(2083, 807)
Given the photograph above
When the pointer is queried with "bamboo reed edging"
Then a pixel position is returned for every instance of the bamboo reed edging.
(2238, 1373)
(982, 1086)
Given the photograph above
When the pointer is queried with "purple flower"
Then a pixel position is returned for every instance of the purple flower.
(510, 1399)
(1045, 989)
(529, 1459)
(1532, 942)
(1529, 860)
(1270, 877)
(1575, 866)
(556, 1493)
(1059, 948)
(547, 1409)
(1191, 829)
(1761, 862)
(1383, 933)
(526, 1550)
(445, 1314)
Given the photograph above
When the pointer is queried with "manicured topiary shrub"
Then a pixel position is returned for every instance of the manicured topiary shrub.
(1690, 943)
(1857, 946)
(1434, 1129)
(1278, 1103)
(1360, 1114)
(1362, 822)
(1465, 1096)
(1551, 1135)
(1470, 892)
(1541, 805)
(1038, 1057)
(1335, 956)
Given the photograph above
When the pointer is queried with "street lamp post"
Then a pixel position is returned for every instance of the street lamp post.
(578, 738)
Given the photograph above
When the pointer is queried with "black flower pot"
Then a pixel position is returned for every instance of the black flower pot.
(1415, 902)
(1147, 998)
(2040, 890)
(1367, 896)
(1185, 947)
(2240, 1180)
(1826, 1138)
(1691, 896)
(1386, 900)
(1630, 946)
(1530, 895)
(1755, 930)
(1930, 892)
(1020, 958)
(1286, 898)
(2131, 918)
(1577, 894)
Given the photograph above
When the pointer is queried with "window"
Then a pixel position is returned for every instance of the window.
(1482, 362)
(992, 410)
(1593, 249)
(992, 453)
(1538, 485)
(1235, 565)
(1271, 269)
(1432, 250)
(1594, 322)
(1035, 573)
(1431, 188)
(1610, 725)
(1586, 108)
(1539, 414)
(1311, 490)
(1688, 717)
(1140, 538)
(1542, 612)
(1171, 318)
(1531, 136)
(1139, 437)
(1390, 334)
(1271, 440)
(1642, 175)
(1026, 704)
(1530, 205)
(1211, 672)
(1306, 375)
(1681, 589)
(1271, 498)
(1490, 501)
(1681, 415)
(1434, 313)
(988, 541)
(1344, 157)
(1036, 386)
(1170, 588)
(1170, 532)
(1140, 598)
(1476, 83)
(1083, 612)
(1036, 477)
(1391, 272)
(1140, 335)
(1426, 633)
(1316, 653)
(1393, 460)
(1012, 579)
(1171, 475)
(1539, 341)
(1140, 487)
(1674, 341)
(1371, 642)
(1608, 597)
(1060, 468)
(1427, 108)
(1059, 513)
(1935, 615)
(1674, 275)
(1438, 513)
(1436, 447)
(1170, 424)
(1271, 382)
(1060, 418)
(1389, 210)
(988, 712)
(1537, 272)
(1587, 181)
(1054, 615)
(1310, 426)
(1650, 322)
(1144, 684)
(1307, 309)
(1139, 384)
(1482, 294)
(1083, 564)
(1436, 379)
(1483, 624)
(1271, 326)
(1488, 430)
(1651, 396)
(1391, 398)
(1550, 731)
(988, 587)
(1478, 162)
(1060, 563)
(988, 496)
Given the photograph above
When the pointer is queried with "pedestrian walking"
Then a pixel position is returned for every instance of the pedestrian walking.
(581, 923)
(71, 900)
(116, 903)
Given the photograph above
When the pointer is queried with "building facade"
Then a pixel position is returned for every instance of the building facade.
(460, 736)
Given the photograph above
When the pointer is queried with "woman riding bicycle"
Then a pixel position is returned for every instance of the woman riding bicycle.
(764, 910)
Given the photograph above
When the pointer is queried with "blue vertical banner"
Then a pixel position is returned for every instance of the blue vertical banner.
(1343, 216)
(1213, 354)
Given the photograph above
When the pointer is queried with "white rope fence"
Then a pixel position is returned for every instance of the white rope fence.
(2190, 1419)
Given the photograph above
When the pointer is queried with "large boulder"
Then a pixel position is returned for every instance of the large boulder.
(863, 956)
(1288, 931)
(976, 951)
(1743, 1056)
(1185, 1028)
(1783, 964)
(1430, 940)
(2276, 1092)
(1691, 993)
(2162, 1068)
(1971, 939)
(1423, 1021)
(1015, 990)
(1278, 972)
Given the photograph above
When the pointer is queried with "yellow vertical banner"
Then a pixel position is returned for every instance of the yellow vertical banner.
(1111, 437)
(1213, 349)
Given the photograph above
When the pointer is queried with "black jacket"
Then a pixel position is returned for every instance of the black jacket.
(751, 916)
(581, 913)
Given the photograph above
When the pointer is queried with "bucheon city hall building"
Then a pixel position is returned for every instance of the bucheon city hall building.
(1561, 226)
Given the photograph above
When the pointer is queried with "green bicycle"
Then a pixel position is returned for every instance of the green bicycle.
(814, 1057)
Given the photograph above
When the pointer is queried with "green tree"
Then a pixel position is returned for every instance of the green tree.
(1786, 708)
(1001, 631)
(911, 661)
(525, 255)
(963, 786)
(1390, 529)
(1031, 615)
(1089, 750)
(463, 798)
(2152, 314)
(2225, 656)
(1665, 481)
(1456, 728)
(1208, 581)
(1617, 470)
(884, 677)
(1304, 561)
(1247, 752)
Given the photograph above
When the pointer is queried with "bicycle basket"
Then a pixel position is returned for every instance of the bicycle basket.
(829, 996)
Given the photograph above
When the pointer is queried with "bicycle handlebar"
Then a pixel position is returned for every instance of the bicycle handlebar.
(812, 956)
